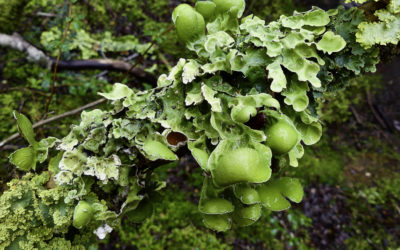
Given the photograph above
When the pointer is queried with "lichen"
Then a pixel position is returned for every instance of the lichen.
(384, 31)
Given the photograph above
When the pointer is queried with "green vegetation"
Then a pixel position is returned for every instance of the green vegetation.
(116, 170)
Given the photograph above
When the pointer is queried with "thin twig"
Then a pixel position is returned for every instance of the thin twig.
(23, 89)
(55, 118)
(164, 60)
(44, 14)
(58, 60)
(128, 58)
(371, 106)
(10, 147)
(141, 57)
(355, 114)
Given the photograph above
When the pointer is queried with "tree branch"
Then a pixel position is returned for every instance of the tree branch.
(15, 41)
(106, 64)
(54, 118)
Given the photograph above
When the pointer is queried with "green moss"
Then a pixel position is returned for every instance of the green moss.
(321, 163)
(176, 223)
(375, 214)
(272, 10)
(335, 107)
(270, 233)
(10, 14)
(17, 70)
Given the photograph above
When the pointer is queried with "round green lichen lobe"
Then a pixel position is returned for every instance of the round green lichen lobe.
(281, 137)
(206, 9)
(157, 150)
(240, 165)
(201, 157)
(218, 223)
(83, 213)
(244, 114)
(181, 7)
(189, 23)
(331, 43)
(217, 206)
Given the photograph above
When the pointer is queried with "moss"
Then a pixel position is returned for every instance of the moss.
(321, 163)
(176, 223)
(276, 231)
(375, 215)
(272, 10)
(335, 107)
(11, 14)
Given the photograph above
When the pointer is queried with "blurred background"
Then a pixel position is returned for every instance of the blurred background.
(351, 177)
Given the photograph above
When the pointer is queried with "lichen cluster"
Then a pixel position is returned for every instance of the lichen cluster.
(384, 31)
(242, 103)
(33, 216)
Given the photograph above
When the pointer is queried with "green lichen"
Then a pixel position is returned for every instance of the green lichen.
(299, 44)
(32, 214)
(207, 100)
(385, 31)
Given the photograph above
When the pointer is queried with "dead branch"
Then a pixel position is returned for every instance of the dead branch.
(355, 114)
(15, 41)
(374, 112)
(44, 14)
(106, 64)
(54, 118)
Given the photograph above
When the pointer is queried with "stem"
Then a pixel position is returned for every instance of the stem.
(141, 57)
(58, 60)
(55, 118)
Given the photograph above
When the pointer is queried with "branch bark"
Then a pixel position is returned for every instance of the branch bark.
(53, 119)
(15, 41)
(106, 64)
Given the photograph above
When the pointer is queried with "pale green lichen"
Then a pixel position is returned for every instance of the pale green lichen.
(32, 216)
(207, 102)
(190, 71)
(331, 43)
(119, 91)
(296, 95)
(274, 192)
(88, 44)
(292, 50)
(209, 96)
(383, 32)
